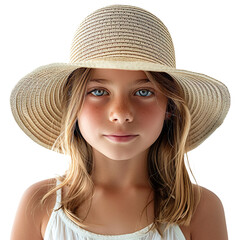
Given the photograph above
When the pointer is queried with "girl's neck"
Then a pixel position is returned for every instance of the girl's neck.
(120, 174)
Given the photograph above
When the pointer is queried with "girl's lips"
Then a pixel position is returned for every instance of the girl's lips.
(117, 138)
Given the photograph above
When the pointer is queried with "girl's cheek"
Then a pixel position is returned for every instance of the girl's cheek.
(91, 111)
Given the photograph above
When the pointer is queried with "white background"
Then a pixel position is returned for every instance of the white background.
(206, 39)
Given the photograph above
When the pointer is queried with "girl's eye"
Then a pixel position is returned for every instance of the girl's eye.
(98, 92)
(144, 93)
(102, 92)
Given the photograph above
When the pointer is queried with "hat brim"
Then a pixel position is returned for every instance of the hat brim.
(36, 105)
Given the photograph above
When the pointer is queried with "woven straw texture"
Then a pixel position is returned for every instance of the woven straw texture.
(116, 37)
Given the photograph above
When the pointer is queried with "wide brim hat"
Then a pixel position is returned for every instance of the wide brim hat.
(116, 37)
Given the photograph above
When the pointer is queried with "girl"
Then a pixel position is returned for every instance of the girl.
(126, 117)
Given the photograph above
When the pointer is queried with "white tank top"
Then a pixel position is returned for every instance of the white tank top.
(60, 227)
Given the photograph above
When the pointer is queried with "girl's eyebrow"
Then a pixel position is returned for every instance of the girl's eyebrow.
(137, 82)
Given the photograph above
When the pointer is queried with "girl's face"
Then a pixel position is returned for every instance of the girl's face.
(123, 113)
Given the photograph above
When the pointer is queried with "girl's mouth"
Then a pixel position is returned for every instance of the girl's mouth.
(120, 138)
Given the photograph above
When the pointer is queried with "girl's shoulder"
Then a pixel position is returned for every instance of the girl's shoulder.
(208, 221)
(32, 214)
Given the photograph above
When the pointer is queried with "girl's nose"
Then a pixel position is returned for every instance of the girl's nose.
(120, 112)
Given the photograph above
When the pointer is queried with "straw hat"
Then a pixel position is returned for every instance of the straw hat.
(116, 37)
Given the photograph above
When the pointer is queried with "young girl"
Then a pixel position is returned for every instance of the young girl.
(126, 117)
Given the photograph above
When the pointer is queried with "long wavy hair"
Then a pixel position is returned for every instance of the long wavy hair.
(174, 197)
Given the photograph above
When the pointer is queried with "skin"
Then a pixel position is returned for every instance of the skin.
(121, 107)
(119, 174)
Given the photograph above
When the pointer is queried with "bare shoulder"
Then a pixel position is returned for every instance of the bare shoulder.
(208, 221)
(31, 212)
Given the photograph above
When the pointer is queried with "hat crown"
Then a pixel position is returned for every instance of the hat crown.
(123, 33)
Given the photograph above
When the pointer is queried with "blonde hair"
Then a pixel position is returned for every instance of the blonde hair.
(174, 198)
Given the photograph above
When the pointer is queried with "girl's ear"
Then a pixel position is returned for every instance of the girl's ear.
(168, 115)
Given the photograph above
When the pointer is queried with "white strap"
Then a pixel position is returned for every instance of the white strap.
(58, 197)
